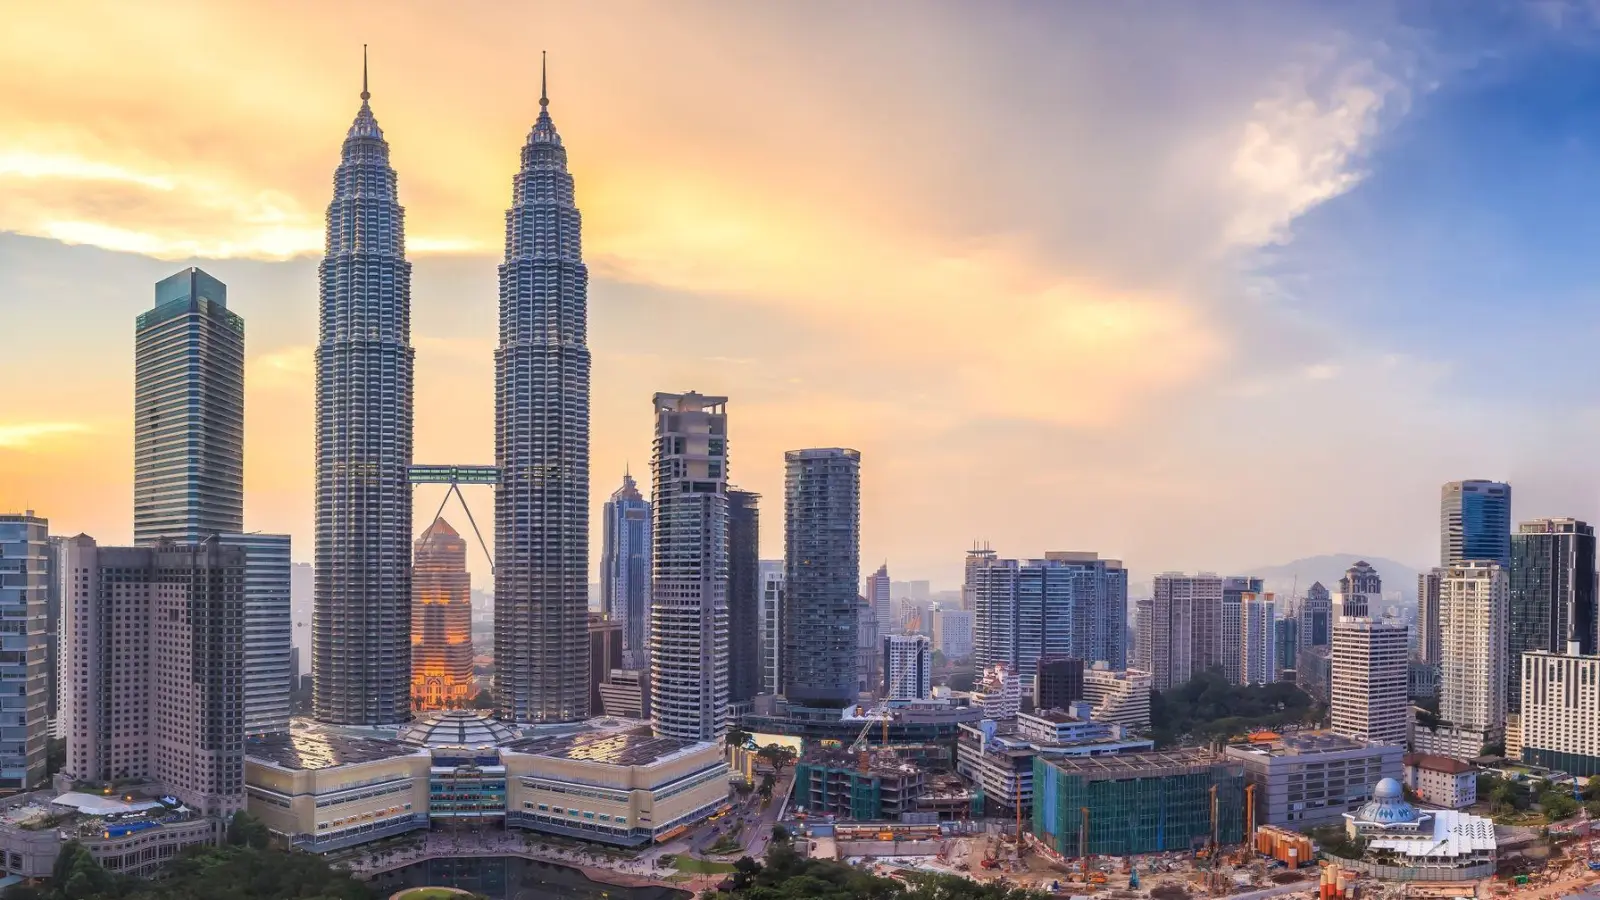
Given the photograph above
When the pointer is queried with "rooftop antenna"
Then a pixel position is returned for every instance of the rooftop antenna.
(544, 95)
(365, 94)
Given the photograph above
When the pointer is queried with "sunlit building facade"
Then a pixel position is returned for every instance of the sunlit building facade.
(441, 621)
(689, 594)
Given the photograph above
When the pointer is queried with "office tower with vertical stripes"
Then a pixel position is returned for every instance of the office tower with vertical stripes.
(541, 444)
(361, 637)
(188, 413)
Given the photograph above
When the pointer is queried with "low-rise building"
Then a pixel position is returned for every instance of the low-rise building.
(1072, 725)
(1120, 696)
(1407, 844)
(609, 780)
(1451, 740)
(1311, 779)
(626, 693)
(998, 758)
(1442, 781)
(998, 692)
(133, 832)
(1137, 802)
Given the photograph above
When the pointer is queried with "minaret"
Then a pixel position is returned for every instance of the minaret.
(542, 443)
(361, 640)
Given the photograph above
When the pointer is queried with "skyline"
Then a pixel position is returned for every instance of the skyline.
(1256, 354)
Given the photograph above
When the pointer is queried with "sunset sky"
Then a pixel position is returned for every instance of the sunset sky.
(1198, 285)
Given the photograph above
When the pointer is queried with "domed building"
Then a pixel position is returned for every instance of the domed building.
(1408, 844)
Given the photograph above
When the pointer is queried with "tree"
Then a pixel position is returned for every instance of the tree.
(55, 755)
(245, 830)
(778, 756)
(484, 700)
(737, 738)
(1557, 805)
(1208, 708)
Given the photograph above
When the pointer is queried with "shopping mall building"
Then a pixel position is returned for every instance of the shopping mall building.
(326, 788)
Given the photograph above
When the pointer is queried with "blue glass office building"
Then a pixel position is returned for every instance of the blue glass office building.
(1475, 522)
(188, 413)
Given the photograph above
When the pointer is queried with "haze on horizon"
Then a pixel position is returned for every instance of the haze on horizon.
(1195, 286)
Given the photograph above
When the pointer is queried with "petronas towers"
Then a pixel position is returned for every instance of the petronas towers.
(541, 444)
(362, 623)
(361, 629)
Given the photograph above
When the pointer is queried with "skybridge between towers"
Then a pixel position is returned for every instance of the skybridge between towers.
(456, 476)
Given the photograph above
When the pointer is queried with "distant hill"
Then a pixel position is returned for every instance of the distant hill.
(1329, 568)
(1399, 579)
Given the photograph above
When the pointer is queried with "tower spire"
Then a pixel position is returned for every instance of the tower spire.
(544, 94)
(365, 94)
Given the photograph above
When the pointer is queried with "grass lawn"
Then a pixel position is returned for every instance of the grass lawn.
(430, 894)
(700, 866)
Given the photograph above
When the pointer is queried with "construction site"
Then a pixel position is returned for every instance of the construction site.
(1275, 862)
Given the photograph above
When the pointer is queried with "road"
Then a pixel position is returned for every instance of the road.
(1277, 890)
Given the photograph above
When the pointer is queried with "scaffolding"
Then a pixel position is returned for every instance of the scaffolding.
(1137, 803)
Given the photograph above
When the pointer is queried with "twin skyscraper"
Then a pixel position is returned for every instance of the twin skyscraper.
(361, 658)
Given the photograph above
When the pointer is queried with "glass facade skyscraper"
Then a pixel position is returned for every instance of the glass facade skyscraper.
(1475, 522)
(744, 595)
(625, 569)
(24, 574)
(188, 416)
(541, 445)
(361, 632)
(1552, 593)
(822, 561)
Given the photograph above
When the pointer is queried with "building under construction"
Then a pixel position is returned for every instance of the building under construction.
(866, 787)
(1137, 802)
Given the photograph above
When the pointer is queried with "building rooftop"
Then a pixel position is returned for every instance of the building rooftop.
(1058, 716)
(1125, 765)
(1454, 833)
(312, 747)
(1435, 763)
(878, 763)
(615, 748)
(1299, 744)
(457, 728)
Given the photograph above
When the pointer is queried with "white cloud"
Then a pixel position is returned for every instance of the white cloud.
(1303, 143)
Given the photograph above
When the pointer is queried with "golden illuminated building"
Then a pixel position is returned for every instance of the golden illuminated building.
(441, 621)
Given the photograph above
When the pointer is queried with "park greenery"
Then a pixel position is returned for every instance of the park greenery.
(788, 876)
(1207, 708)
(1533, 801)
